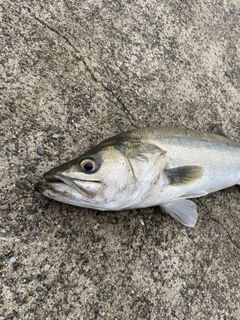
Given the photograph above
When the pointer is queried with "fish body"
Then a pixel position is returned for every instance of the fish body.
(147, 167)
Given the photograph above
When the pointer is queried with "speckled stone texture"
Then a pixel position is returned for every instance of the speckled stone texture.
(73, 73)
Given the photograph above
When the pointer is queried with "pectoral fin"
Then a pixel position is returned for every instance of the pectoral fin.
(184, 211)
(183, 175)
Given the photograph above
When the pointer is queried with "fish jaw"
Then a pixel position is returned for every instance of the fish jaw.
(64, 193)
(61, 192)
(61, 188)
(58, 191)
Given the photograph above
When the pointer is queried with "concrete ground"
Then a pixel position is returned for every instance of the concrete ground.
(73, 73)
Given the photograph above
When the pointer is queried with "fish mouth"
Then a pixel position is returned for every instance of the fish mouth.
(50, 182)
(57, 182)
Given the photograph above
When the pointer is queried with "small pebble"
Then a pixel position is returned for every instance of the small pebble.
(20, 185)
(40, 151)
(4, 206)
(55, 135)
(43, 263)
(12, 260)
(39, 289)
(29, 179)
(138, 244)
(30, 210)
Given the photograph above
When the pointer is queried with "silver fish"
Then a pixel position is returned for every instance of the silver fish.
(147, 167)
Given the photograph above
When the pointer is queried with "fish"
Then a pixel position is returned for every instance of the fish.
(146, 167)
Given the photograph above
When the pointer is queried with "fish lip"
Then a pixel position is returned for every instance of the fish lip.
(57, 178)
(41, 186)
(51, 178)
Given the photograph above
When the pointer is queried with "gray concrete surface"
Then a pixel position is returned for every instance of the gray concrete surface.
(76, 72)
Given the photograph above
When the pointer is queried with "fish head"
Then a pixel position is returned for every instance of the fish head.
(111, 176)
(97, 179)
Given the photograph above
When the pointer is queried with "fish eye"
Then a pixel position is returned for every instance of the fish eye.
(88, 165)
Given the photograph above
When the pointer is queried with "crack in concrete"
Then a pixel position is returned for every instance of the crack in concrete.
(67, 4)
(67, 40)
(231, 239)
(88, 69)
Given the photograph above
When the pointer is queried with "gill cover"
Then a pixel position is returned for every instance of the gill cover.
(145, 162)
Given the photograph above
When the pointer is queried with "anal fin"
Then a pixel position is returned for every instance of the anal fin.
(184, 211)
